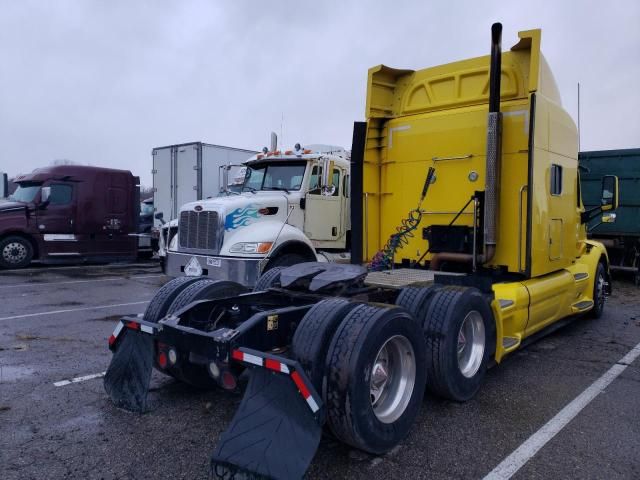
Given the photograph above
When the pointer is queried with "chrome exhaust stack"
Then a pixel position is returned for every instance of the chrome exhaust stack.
(494, 148)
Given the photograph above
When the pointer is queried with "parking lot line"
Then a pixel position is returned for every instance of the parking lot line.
(53, 312)
(510, 465)
(80, 281)
(62, 383)
(75, 267)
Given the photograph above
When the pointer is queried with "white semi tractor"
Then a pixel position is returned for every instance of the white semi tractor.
(293, 207)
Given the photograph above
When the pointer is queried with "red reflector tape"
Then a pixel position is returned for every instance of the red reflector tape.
(300, 384)
(133, 325)
(237, 355)
(116, 333)
(272, 364)
(277, 366)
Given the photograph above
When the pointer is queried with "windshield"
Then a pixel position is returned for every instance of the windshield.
(25, 193)
(146, 209)
(274, 176)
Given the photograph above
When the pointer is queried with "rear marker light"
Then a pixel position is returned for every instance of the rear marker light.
(173, 356)
(228, 380)
(214, 370)
(162, 360)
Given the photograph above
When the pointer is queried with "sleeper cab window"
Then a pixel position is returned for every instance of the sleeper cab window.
(556, 179)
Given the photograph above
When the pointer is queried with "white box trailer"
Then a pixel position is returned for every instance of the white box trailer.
(4, 185)
(189, 172)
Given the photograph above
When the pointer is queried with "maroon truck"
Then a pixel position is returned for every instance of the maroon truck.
(70, 213)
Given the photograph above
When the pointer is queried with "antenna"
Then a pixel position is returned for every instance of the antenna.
(578, 116)
(281, 127)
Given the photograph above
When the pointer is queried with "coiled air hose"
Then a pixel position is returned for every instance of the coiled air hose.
(383, 260)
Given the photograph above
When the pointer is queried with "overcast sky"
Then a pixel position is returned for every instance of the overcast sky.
(103, 82)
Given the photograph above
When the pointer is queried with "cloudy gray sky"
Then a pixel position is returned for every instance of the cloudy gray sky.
(103, 82)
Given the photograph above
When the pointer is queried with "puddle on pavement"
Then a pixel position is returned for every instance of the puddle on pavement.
(10, 373)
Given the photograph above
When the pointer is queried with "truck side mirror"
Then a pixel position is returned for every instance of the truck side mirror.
(45, 195)
(326, 182)
(609, 197)
(160, 216)
(224, 178)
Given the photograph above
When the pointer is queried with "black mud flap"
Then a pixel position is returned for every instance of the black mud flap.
(273, 434)
(129, 373)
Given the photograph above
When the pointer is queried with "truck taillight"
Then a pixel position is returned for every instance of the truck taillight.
(162, 360)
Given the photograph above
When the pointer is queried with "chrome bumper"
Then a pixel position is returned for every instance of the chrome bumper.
(242, 270)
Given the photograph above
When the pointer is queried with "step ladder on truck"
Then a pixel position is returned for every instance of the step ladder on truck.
(464, 267)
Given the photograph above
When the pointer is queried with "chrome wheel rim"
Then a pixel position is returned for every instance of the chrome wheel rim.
(471, 344)
(600, 291)
(392, 379)
(14, 252)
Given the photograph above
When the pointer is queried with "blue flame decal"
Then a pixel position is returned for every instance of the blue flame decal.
(241, 217)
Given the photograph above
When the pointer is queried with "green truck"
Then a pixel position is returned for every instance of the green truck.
(622, 237)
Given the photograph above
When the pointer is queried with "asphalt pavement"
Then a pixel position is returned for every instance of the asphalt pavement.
(54, 325)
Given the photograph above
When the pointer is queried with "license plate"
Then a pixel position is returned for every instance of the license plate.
(193, 268)
(214, 262)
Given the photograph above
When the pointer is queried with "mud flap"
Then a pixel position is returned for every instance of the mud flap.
(129, 373)
(273, 434)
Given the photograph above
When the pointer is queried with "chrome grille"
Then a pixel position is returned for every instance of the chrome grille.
(200, 230)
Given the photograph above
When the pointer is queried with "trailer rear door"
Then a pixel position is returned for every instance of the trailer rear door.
(186, 183)
(162, 183)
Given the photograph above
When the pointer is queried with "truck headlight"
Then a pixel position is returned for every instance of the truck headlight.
(173, 244)
(251, 247)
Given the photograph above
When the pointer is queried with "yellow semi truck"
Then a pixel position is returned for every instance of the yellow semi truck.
(465, 204)
(505, 207)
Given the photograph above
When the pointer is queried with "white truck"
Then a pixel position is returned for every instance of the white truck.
(188, 172)
(293, 207)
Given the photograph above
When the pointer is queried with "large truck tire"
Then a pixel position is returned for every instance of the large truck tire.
(460, 335)
(162, 300)
(375, 377)
(417, 300)
(205, 289)
(194, 374)
(313, 335)
(270, 278)
(15, 252)
(599, 294)
(285, 260)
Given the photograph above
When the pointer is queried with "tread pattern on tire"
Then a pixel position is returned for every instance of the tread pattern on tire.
(164, 297)
(435, 332)
(313, 335)
(338, 362)
(441, 379)
(417, 299)
(270, 278)
(194, 292)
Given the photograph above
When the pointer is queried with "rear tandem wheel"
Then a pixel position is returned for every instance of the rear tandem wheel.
(460, 332)
(375, 377)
